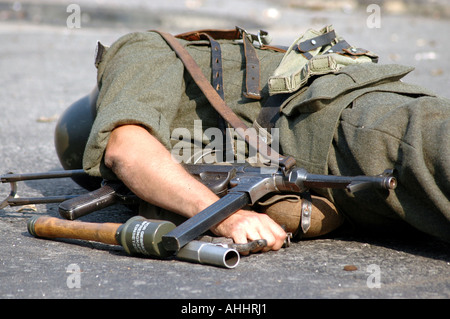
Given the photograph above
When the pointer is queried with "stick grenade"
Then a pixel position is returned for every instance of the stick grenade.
(138, 236)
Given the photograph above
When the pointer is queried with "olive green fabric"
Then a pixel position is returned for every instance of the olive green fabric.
(359, 120)
(295, 69)
(141, 81)
(365, 120)
(405, 132)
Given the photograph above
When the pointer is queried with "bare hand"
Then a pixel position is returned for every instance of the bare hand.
(246, 225)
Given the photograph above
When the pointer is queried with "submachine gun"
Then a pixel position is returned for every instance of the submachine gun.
(237, 185)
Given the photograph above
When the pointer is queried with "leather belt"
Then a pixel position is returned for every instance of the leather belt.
(231, 34)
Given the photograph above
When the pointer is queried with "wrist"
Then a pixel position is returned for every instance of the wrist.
(201, 202)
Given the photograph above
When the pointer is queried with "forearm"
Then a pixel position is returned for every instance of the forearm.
(147, 168)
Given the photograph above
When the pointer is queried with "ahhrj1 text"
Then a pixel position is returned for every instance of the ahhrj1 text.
(250, 308)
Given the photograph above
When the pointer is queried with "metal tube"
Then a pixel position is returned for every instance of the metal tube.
(11, 177)
(39, 200)
(207, 253)
(352, 183)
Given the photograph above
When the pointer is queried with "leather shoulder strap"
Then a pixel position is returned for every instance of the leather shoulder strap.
(221, 107)
(232, 34)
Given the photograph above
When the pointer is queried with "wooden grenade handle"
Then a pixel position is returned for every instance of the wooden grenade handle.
(51, 227)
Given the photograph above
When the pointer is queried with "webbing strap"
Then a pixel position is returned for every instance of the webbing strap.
(317, 42)
(252, 72)
(252, 85)
(217, 83)
(314, 43)
(222, 108)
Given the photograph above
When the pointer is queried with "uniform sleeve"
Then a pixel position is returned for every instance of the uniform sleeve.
(140, 81)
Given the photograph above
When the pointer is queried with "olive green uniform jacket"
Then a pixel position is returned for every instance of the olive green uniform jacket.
(361, 120)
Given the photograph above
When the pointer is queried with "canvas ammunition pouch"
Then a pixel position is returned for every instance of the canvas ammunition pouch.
(315, 53)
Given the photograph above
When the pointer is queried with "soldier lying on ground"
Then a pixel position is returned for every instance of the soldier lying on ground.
(341, 113)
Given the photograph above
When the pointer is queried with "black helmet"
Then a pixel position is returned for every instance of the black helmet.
(71, 135)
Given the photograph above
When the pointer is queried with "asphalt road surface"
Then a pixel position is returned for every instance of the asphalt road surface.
(46, 65)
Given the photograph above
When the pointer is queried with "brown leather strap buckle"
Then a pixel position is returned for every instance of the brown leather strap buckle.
(262, 37)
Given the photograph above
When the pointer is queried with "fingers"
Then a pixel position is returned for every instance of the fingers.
(273, 234)
(251, 246)
(244, 226)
